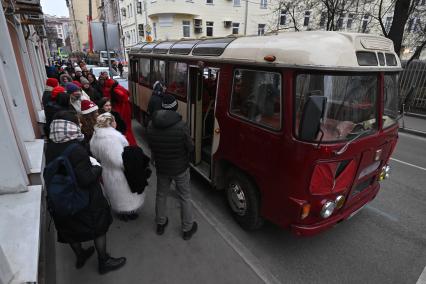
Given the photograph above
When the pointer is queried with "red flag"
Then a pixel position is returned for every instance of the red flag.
(89, 20)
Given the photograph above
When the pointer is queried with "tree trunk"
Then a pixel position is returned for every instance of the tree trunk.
(400, 17)
(416, 54)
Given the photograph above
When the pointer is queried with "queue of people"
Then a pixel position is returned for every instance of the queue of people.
(102, 168)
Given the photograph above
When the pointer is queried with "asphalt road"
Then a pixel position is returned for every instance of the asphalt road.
(384, 243)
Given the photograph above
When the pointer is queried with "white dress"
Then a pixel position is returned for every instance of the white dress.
(107, 145)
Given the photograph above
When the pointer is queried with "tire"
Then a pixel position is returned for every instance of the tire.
(243, 199)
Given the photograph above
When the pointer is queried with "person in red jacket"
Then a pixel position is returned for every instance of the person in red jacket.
(121, 104)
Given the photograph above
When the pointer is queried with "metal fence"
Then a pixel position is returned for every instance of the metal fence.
(413, 79)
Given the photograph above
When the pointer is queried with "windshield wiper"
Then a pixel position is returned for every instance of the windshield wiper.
(345, 147)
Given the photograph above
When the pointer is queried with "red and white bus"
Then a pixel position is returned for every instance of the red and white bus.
(297, 128)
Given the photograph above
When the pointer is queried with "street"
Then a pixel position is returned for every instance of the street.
(384, 243)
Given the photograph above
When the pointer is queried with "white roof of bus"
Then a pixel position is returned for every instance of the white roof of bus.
(312, 48)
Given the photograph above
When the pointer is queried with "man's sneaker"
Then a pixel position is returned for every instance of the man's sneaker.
(81, 259)
(110, 264)
(188, 234)
(161, 227)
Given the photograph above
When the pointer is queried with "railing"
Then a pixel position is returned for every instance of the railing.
(413, 77)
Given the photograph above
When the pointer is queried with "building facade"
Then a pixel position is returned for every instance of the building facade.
(109, 11)
(23, 53)
(79, 14)
(159, 20)
(58, 34)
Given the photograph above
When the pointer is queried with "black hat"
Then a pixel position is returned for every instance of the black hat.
(169, 102)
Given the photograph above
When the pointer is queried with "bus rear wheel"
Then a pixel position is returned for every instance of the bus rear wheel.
(244, 200)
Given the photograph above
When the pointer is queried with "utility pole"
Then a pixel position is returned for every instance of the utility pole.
(105, 30)
(245, 18)
(279, 17)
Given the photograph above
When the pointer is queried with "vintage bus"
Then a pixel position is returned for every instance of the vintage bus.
(297, 128)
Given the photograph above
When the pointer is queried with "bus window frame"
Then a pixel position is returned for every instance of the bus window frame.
(150, 71)
(333, 73)
(383, 110)
(251, 122)
(179, 97)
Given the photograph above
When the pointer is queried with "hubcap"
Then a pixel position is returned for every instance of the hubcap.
(237, 199)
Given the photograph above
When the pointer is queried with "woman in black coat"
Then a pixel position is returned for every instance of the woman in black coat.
(92, 222)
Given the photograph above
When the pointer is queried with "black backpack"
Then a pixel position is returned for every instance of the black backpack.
(64, 198)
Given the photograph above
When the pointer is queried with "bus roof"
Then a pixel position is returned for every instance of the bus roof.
(311, 50)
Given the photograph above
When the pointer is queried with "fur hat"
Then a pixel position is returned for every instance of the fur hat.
(77, 69)
(52, 82)
(71, 88)
(88, 107)
(169, 102)
(56, 91)
(83, 80)
(104, 120)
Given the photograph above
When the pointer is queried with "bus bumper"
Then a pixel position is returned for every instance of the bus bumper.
(316, 228)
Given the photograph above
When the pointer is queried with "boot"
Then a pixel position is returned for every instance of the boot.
(110, 264)
(81, 259)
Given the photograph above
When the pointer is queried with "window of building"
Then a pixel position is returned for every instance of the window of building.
(235, 28)
(388, 23)
(158, 71)
(413, 25)
(256, 97)
(323, 19)
(209, 28)
(139, 8)
(130, 11)
(209, 1)
(237, 2)
(165, 20)
(123, 12)
(365, 20)
(177, 78)
(263, 4)
(144, 71)
(307, 18)
(283, 17)
(186, 25)
(340, 21)
(141, 30)
(261, 29)
(154, 27)
(350, 21)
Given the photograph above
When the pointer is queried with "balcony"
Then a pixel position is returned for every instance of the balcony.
(182, 7)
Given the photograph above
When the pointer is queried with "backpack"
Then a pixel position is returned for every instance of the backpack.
(64, 198)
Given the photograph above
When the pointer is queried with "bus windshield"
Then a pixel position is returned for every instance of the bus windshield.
(351, 104)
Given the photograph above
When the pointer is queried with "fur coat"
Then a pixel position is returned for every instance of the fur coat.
(107, 145)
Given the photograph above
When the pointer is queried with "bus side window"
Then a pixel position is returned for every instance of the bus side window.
(177, 78)
(256, 97)
(144, 71)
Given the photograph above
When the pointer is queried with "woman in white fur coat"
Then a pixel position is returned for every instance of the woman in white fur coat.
(107, 145)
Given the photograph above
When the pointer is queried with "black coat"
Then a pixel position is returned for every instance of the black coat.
(47, 95)
(94, 95)
(93, 221)
(136, 168)
(170, 142)
(154, 104)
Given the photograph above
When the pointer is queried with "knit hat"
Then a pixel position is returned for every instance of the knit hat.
(77, 83)
(169, 102)
(77, 69)
(88, 107)
(56, 91)
(52, 82)
(71, 88)
(83, 80)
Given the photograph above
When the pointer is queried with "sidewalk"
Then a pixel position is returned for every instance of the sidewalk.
(206, 258)
(413, 124)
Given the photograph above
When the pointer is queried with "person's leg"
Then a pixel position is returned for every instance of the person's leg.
(77, 248)
(100, 244)
(163, 186)
(81, 254)
(106, 262)
(184, 193)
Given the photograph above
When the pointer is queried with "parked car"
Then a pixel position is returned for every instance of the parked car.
(97, 71)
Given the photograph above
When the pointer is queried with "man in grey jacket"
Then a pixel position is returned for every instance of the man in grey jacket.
(171, 146)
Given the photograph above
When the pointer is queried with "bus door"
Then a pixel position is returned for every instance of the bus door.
(203, 86)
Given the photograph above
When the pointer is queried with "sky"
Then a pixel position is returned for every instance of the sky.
(55, 7)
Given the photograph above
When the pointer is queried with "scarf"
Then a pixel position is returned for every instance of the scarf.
(62, 131)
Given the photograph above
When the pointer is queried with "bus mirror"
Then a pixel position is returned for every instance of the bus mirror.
(313, 112)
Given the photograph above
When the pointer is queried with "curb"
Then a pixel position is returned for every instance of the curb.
(413, 132)
(418, 115)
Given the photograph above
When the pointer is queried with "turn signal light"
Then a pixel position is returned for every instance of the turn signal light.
(305, 210)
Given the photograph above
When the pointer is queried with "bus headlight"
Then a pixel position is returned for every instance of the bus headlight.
(328, 209)
(340, 200)
(385, 173)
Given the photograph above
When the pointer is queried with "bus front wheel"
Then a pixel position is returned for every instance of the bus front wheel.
(244, 200)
